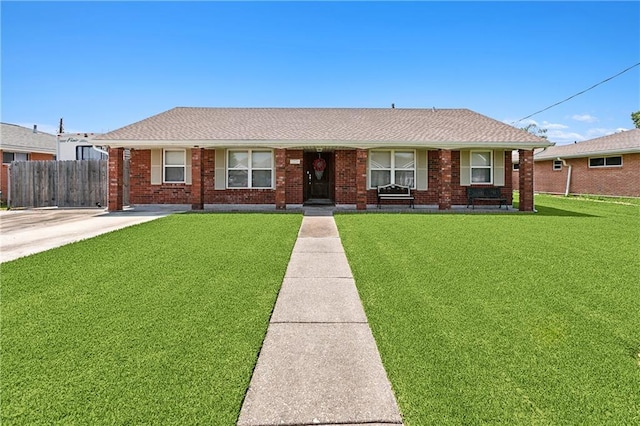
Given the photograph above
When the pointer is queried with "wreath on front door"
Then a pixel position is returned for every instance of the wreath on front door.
(318, 166)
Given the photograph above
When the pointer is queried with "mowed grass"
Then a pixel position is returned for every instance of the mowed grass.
(516, 319)
(160, 323)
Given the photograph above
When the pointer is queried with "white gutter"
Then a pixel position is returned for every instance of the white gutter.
(329, 144)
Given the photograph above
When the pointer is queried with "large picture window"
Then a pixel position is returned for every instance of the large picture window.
(392, 167)
(481, 167)
(249, 169)
(174, 165)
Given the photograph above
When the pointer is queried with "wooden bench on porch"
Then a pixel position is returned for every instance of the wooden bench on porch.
(395, 192)
(485, 194)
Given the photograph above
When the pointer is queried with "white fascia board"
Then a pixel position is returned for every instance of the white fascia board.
(297, 144)
(600, 153)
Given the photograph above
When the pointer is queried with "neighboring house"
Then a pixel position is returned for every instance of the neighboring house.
(609, 165)
(291, 156)
(79, 146)
(19, 143)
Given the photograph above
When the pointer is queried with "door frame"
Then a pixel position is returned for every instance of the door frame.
(307, 169)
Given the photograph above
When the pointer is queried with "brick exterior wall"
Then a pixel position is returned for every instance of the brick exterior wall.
(525, 186)
(280, 173)
(362, 156)
(197, 184)
(116, 179)
(350, 177)
(345, 176)
(294, 177)
(611, 181)
(4, 182)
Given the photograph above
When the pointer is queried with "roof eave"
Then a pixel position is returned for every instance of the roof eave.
(298, 144)
(635, 150)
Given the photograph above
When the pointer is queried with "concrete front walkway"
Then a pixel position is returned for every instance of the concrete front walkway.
(319, 364)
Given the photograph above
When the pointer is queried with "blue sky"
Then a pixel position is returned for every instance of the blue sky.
(103, 65)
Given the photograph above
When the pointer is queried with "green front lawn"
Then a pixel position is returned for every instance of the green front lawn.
(525, 319)
(160, 323)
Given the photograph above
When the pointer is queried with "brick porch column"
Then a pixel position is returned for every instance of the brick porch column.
(116, 179)
(526, 180)
(361, 179)
(281, 179)
(197, 179)
(444, 171)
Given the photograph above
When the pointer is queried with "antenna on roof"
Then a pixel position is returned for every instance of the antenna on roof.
(61, 128)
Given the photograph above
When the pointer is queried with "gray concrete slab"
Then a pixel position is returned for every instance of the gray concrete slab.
(318, 245)
(26, 232)
(321, 300)
(318, 227)
(313, 265)
(319, 373)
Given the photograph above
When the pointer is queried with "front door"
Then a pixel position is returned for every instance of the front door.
(318, 169)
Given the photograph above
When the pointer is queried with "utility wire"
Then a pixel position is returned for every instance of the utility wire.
(577, 94)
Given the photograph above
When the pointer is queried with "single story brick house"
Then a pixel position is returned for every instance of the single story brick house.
(18, 143)
(292, 156)
(609, 165)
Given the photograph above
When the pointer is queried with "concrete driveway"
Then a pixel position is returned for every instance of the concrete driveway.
(25, 232)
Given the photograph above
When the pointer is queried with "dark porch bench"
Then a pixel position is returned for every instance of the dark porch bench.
(395, 192)
(485, 194)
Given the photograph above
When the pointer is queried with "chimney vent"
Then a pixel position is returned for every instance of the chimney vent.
(393, 106)
(35, 128)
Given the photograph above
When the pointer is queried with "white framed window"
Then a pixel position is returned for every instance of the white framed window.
(516, 167)
(613, 161)
(481, 167)
(557, 165)
(174, 163)
(86, 152)
(8, 157)
(392, 167)
(249, 168)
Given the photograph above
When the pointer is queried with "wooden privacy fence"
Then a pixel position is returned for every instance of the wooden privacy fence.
(80, 183)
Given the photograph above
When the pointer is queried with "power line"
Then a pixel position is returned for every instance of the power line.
(577, 94)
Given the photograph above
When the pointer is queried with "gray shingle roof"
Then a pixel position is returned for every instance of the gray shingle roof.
(14, 138)
(330, 126)
(617, 143)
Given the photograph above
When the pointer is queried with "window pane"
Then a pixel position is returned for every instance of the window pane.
(613, 161)
(238, 159)
(261, 159)
(261, 179)
(380, 177)
(238, 179)
(596, 162)
(174, 158)
(7, 157)
(404, 160)
(404, 178)
(174, 174)
(481, 158)
(21, 156)
(380, 159)
(481, 175)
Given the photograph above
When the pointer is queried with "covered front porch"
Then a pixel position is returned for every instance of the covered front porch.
(343, 181)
